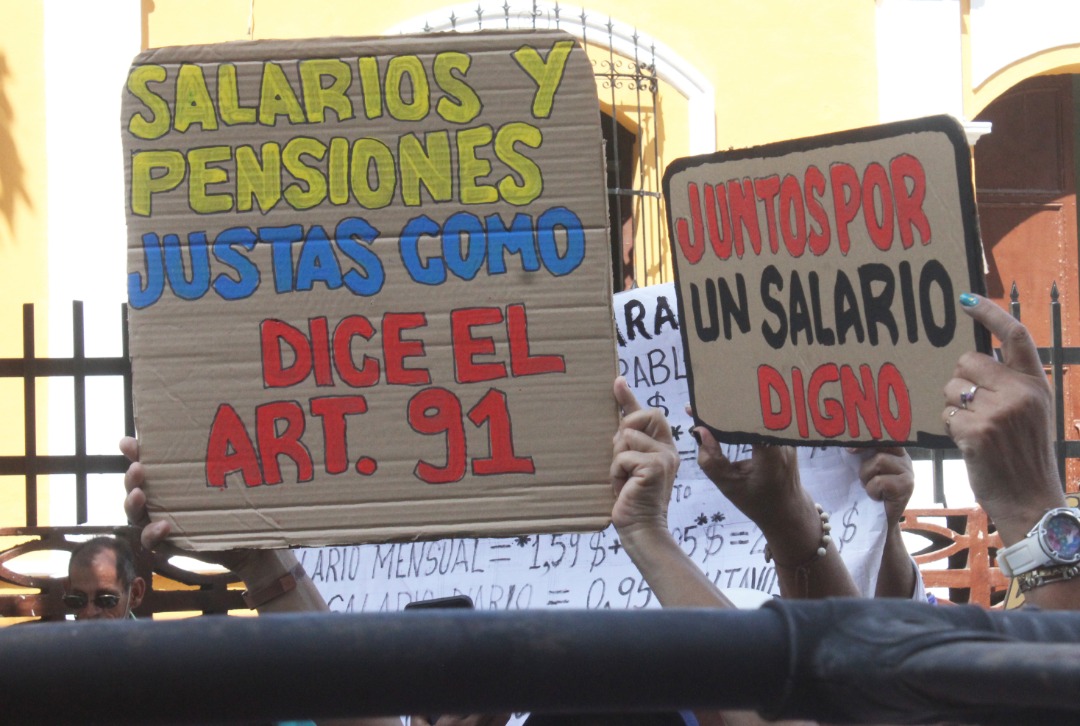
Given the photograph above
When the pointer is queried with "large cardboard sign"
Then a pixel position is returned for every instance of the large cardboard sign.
(369, 283)
(592, 570)
(819, 279)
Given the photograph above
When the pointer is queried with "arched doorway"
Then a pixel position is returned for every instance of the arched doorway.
(1025, 178)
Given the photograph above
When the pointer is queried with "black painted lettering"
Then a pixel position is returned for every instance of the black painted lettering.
(934, 275)
(846, 304)
(878, 286)
(775, 337)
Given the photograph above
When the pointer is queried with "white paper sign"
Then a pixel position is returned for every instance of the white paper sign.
(592, 570)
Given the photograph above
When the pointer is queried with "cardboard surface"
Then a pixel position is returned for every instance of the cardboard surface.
(369, 283)
(819, 279)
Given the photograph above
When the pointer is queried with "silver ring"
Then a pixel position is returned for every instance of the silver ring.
(968, 396)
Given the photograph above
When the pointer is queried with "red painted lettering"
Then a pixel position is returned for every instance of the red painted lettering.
(397, 349)
(875, 191)
(275, 441)
(909, 201)
(273, 334)
(769, 382)
(767, 188)
(845, 192)
(467, 347)
(229, 449)
(333, 410)
(349, 328)
(522, 362)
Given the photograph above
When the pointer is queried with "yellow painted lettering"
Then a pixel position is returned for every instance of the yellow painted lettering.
(461, 104)
(371, 85)
(258, 179)
(338, 170)
(546, 74)
(156, 124)
(200, 176)
(232, 113)
(373, 177)
(153, 172)
(193, 104)
(532, 181)
(470, 168)
(276, 97)
(310, 188)
(317, 97)
(429, 166)
(400, 69)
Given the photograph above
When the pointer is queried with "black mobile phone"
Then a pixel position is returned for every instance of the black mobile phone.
(454, 602)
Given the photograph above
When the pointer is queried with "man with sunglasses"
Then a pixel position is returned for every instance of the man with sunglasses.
(102, 583)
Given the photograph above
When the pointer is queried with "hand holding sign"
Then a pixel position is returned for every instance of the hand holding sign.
(999, 414)
(888, 477)
(767, 489)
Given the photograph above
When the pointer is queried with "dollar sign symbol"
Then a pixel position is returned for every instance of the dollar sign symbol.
(849, 528)
(657, 401)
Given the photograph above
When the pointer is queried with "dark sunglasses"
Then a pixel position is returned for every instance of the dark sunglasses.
(103, 600)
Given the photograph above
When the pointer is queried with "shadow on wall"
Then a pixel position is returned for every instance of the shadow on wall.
(12, 185)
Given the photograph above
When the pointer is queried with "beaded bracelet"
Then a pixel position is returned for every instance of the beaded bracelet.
(826, 538)
(1046, 575)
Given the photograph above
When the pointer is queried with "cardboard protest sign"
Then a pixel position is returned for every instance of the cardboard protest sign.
(369, 283)
(819, 281)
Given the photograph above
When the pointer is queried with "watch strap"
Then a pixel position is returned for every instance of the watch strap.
(1022, 557)
(1046, 575)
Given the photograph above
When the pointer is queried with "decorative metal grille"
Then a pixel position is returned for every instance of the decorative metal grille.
(624, 63)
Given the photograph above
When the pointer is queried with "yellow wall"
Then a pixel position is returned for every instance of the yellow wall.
(781, 69)
(23, 251)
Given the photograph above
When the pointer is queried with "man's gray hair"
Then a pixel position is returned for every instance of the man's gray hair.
(85, 553)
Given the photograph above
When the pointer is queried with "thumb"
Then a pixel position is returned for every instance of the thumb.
(625, 397)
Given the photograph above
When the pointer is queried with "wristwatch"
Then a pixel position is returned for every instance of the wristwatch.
(1055, 540)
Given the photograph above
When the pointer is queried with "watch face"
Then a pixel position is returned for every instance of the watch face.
(1062, 536)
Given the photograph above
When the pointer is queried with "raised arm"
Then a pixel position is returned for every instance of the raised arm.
(1000, 416)
(889, 478)
(642, 473)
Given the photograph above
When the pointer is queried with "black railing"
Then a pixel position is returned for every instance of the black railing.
(78, 367)
(839, 661)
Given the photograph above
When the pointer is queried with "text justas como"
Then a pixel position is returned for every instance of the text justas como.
(298, 258)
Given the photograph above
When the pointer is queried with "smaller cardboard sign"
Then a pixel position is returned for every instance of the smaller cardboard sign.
(819, 278)
(369, 282)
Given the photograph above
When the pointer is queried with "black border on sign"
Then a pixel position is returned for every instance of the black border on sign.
(972, 243)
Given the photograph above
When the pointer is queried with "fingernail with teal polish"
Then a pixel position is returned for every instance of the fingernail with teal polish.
(968, 300)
